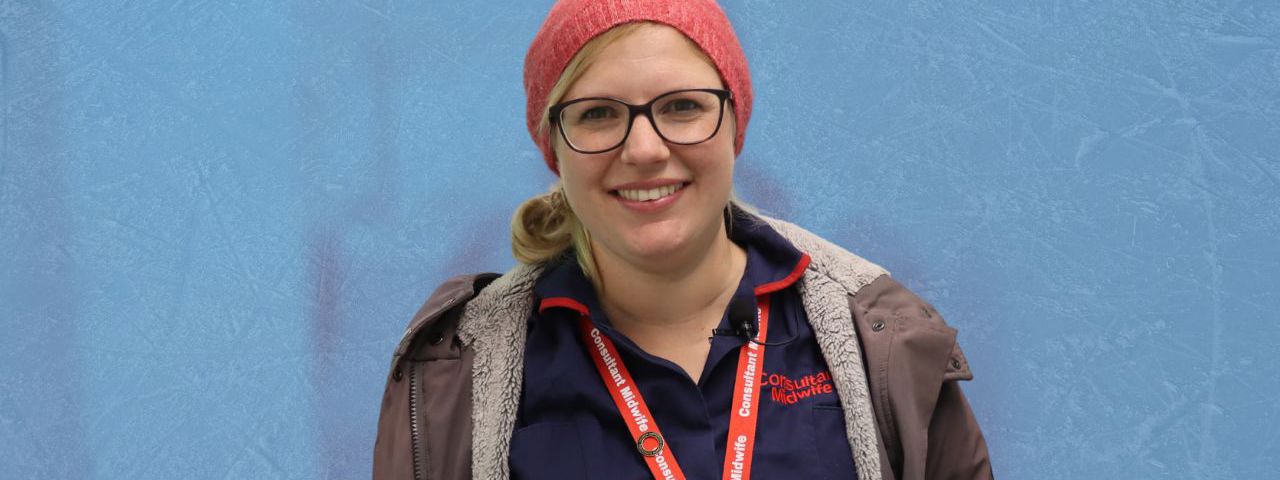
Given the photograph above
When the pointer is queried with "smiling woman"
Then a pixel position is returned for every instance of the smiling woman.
(592, 126)
(638, 336)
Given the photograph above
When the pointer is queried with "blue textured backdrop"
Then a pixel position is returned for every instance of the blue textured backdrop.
(217, 217)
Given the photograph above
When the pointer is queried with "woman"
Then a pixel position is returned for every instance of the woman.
(656, 328)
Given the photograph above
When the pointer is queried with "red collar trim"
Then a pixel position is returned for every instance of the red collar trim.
(796, 273)
(565, 302)
(786, 281)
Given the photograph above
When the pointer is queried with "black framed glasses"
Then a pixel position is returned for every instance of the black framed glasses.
(600, 124)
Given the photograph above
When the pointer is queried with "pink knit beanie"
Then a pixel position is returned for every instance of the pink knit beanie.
(572, 23)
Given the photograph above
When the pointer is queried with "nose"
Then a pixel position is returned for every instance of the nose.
(643, 145)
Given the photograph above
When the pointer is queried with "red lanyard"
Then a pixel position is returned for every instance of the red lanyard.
(644, 429)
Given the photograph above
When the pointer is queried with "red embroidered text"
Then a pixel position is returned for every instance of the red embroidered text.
(788, 391)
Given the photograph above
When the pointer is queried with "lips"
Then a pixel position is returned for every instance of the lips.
(649, 197)
(649, 194)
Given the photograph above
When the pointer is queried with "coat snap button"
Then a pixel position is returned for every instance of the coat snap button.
(437, 338)
(877, 326)
(955, 364)
(397, 375)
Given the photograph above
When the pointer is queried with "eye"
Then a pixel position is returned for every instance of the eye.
(597, 113)
(684, 105)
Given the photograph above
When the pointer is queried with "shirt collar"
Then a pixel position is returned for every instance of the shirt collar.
(773, 264)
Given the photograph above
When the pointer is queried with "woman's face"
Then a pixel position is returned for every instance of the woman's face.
(661, 233)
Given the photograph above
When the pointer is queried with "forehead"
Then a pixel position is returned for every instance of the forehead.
(647, 62)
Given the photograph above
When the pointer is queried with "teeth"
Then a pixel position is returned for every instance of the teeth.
(650, 194)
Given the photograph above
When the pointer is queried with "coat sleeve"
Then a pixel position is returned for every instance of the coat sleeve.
(956, 446)
(927, 430)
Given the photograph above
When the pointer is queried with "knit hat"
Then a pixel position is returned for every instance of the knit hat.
(572, 23)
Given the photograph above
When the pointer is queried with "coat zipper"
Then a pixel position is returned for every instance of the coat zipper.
(415, 436)
(415, 429)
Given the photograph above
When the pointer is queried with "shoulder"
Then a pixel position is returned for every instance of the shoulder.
(890, 301)
(887, 314)
(487, 297)
(455, 291)
(890, 317)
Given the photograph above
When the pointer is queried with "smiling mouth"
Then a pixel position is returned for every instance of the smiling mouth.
(650, 194)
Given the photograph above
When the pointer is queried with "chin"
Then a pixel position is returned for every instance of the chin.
(656, 243)
(662, 240)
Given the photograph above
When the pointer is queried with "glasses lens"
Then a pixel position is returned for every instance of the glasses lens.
(687, 117)
(594, 124)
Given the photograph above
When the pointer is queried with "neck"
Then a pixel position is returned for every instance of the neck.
(683, 294)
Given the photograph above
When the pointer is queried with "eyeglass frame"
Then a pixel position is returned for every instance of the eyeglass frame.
(633, 110)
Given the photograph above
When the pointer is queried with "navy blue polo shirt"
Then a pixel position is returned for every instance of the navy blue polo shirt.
(569, 427)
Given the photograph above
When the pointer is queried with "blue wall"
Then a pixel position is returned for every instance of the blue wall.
(217, 217)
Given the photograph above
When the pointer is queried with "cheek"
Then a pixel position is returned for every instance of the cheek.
(576, 178)
(722, 144)
(716, 160)
(582, 170)
(717, 171)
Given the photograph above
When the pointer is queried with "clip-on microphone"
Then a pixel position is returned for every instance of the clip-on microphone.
(744, 320)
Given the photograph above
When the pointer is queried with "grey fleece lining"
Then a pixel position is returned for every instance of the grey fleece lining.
(493, 324)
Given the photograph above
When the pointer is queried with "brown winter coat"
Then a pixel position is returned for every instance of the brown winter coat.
(454, 386)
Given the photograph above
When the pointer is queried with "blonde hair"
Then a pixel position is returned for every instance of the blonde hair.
(545, 227)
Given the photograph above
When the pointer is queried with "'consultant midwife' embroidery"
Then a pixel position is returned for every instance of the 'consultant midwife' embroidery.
(783, 390)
